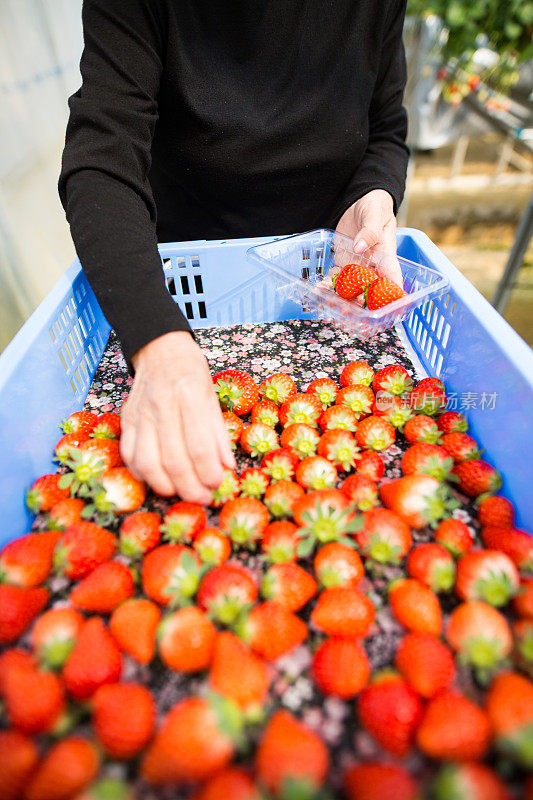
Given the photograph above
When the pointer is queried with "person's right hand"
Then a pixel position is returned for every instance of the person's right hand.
(173, 434)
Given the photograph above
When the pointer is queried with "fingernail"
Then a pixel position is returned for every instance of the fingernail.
(360, 247)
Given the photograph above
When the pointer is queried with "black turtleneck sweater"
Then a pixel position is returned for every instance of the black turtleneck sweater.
(203, 119)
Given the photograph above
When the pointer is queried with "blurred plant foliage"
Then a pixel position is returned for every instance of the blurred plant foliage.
(503, 26)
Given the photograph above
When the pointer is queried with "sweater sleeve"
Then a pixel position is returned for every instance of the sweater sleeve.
(104, 183)
(384, 164)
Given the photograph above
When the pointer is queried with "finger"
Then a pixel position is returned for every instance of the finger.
(223, 444)
(146, 464)
(127, 442)
(388, 264)
(371, 230)
(199, 433)
(176, 461)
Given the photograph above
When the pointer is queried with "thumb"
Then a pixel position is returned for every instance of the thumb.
(371, 229)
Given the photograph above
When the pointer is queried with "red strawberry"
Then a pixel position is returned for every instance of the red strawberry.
(13, 660)
(280, 464)
(18, 608)
(82, 548)
(418, 499)
(479, 634)
(428, 400)
(230, 782)
(106, 451)
(68, 443)
(336, 564)
(371, 464)
(281, 497)
(123, 490)
(315, 472)
(104, 588)
(425, 663)
(393, 408)
(27, 561)
(195, 740)
(356, 372)
(343, 611)
(338, 417)
(301, 439)
(254, 482)
(382, 292)
(452, 422)
(523, 602)
(68, 767)
(477, 477)
(212, 546)
(361, 491)
(460, 446)
(186, 639)
(236, 391)
(339, 447)
(340, 667)
(44, 493)
(487, 575)
(183, 521)
(228, 489)
(79, 422)
(325, 389)
(94, 660)
(108, 426)
(65, 513)
(123, 718)
(279, 541)
(422, 428)
(433, 565)
(385, 537)
(415, 606)
(266, 412)
(289, 585)
(34, 699)
(469, 781)
(393, 379)
(288, 752)
(234, 426)
(133, 626)
(455, 536)
(428, 459)
(301, 408)
(139, 533)
(439, 736)
(390, 710)
(353, 279)
(516, 544)
(237, 673)
(272, 630)
(376, 781)
(54, 634)
(375, 433)
(258, 439)
(171, 574)
(360, 398)
(495, 511)
(225, 591)
(324, 516)
(18, 759)
(244, 520)
(510, 708)
(278, 388)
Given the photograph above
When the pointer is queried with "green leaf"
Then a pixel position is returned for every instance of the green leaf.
(305, 546)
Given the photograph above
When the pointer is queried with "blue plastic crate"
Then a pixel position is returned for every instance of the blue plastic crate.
(46, 371)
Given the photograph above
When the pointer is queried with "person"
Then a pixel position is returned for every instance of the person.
(209, 119)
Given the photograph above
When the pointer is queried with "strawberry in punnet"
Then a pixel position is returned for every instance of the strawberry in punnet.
(452, 422)
(487, 575)
(477, 477)
(67, 768)
(428, 399)
(123, 490)
(301, 439)
(290, 754)
(433, 565)
(460, 446)
(18, 608)
(279, 541)
(108, 426)
(228, 489)
(266, 412)
(104, 588)
(336, 564)
(45, 492)
(325, 389)
(523, 602)
(237, 673)
(18, 759)
(234, 426)
(106, 450)
(94, 660)
(352, 280)
(393, 408)
(140, 532)
(415, 606)
(356, 372)
(278, 388)
(324, 516)
(183, 521)
(171, 574)
(280, 465)
(225, 591)
(523, 645)
(82, 548)
(244, 520)
(384, 538)
(212, 546)
(54, 635)
(68, 443)
(34, 699)
(379, 781)
(440, 737)
(79, 422)
(254, 482)
(123, 717)
(371, 464)
(393, 379)
(360, 398)
(27, 561)
(390, 710)
(343, 611)
(340, 667)
(426, 663)
(418, 499)
(258, 439)
(236, 391)
(301, 408)
(495, 511)
(480, 635)
(64, 513)
(455, 536)
(468, 781)
(509, 705)
(271, 630)
(185, 640)
(375, 433)
(338, 417)
(516, 544)
(230, 782)
(281, 497)
(289, 585)
(427, 459)
(382, 292)
(340, 448)
(422, 428)
(133, 626)
(361, 491)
